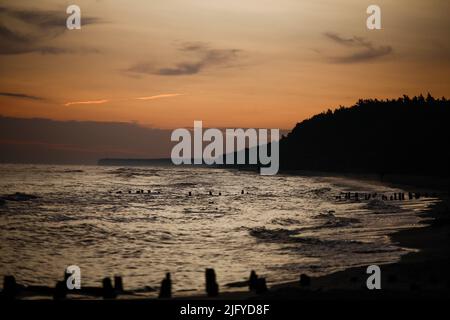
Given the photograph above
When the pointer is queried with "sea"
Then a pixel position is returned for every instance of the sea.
(141, 222)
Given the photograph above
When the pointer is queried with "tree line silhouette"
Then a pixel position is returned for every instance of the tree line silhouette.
(404, 135)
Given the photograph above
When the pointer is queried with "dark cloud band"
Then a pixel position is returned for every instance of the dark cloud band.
(367, 51)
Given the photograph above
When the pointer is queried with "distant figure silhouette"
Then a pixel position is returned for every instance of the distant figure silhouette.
(118, 284)
(9, 287)
(410, 195)
(220, 193)
(305, 280)
(108, 291)
(252, 281)
(149, 191)
(190, 193)
(166, 287)
(242, 191)
(210, 193)
(212, 288)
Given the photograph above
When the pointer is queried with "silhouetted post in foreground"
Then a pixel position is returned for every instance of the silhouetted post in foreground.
(9, 287)
(108, 291)
(212, 288)
(261, 286)
(166, 287)
(252, 280)
(118, 284)
(305, 280)
(60, 290)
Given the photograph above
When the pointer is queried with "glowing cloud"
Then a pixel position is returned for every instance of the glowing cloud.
(160, 96)
(86, 102)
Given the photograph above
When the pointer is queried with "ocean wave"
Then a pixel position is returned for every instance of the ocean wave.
(286, 236)
(285, 221)
(134, 172)
(323, 192)
(18, 196)
(183, 184)
(333, 221)
(72, 171)
(279, 234)
(325, 215)
(377, 204)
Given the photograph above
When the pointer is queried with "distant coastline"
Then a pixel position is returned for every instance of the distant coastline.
(134, 162)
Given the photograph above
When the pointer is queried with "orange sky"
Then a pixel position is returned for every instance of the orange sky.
(234, 63)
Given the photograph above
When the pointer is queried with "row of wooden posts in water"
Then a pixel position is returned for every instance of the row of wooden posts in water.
(356, 196)
(141, 191)
(401, 196)
(343, 196)
(11, 289)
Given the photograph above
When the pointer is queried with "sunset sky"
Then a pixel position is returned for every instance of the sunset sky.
(234, 63)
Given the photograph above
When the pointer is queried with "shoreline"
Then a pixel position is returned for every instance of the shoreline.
(420, 274)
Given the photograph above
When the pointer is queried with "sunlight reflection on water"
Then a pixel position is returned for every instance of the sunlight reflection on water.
(285, 225)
